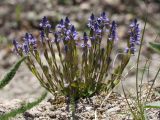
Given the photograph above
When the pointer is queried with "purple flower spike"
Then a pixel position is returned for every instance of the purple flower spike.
(91, 21)
(82, 45)
(27, 38)
(103, 15)
(104, 18)
(71, 33)
(85, 37)
(61, 24)
(97, 30)
(134, 23)
(126, 50)
(16, 46)
(113, 31)
(74, 33)
(135, 32)
(33, 42)
(73, 29)
(135, 35)
(30, 40)
(25, 49)
(67, 21)
(45, 23)
(67, 38)
(92, 17)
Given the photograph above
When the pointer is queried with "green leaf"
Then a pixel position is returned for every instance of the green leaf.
(153, 105)
(155, 46)
(23, 108)
(8, 77)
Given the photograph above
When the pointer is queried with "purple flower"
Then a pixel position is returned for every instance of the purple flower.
(16, 45)
(100, 21)
(85, 39)
(27, 38)
(113, 31)
(92, 38)
(91, 21)
(25, 49)
(30, 40)
(135, 32)
(103, 20)
(67, 38)
(65, 29)
(97, 29)
(74, 33)
(61, 24)
(33, 42)
(28, 44)
(97, 32)
(71, 33)
(132, 49)
(97, 25)
(92, 17)
(135, 36)
(104, 17)
(67, 21)
(45, 23)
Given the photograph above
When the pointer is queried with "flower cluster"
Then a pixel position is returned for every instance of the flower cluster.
(85, 40)
(44, 24)
(66, 31)
(97, 24)
(113, 32)
(100, 22)
(135, 37)
(45, 28)
(83, 63)
(28, 45)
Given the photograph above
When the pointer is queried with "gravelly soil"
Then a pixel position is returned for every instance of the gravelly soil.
(99, 108)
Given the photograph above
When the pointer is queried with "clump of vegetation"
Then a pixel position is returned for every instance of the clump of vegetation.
(77, 67)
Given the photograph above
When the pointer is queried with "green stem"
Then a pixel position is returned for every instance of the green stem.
(137, 90)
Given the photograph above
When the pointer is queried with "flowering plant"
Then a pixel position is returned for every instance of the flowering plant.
(77, 67)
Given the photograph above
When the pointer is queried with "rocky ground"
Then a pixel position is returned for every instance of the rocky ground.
(18, 17)
(100, 107)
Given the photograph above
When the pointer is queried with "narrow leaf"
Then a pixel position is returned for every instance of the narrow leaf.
(155, 46)
(8, 77)
(153, 105)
